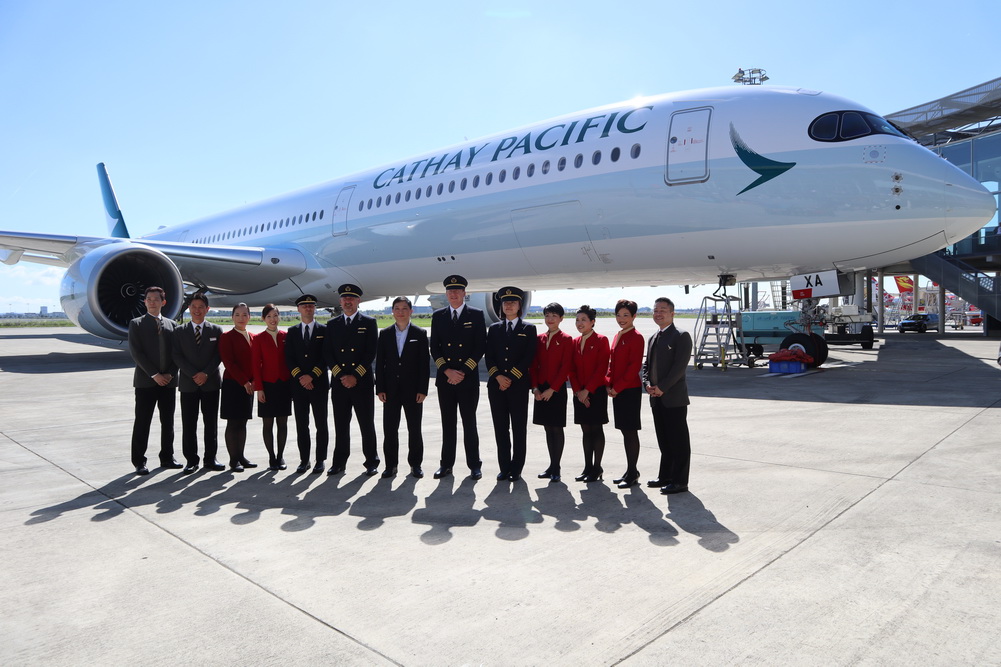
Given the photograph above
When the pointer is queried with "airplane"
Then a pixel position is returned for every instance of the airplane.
(745, 183)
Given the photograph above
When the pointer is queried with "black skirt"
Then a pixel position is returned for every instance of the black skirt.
(552, 412)
(277, 400)
(626, 409)
(594, 415)
(236, 402)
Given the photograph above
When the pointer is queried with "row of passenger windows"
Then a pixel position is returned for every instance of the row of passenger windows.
(502, 176)
(264, 227)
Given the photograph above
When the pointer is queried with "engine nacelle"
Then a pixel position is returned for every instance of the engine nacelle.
(491, 305)
(104, 289)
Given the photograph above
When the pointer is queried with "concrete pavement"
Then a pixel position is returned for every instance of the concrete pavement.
(850, 516)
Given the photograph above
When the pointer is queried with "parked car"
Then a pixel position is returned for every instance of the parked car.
(921, 322)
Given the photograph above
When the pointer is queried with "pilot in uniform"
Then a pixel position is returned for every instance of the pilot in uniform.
(304, 358)
(510, 348)
(458, 336)
(349, 352)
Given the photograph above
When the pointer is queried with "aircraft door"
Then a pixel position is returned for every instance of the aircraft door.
(339, 219)
(688, 146)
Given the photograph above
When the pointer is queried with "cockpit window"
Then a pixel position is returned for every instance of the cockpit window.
(845, 125)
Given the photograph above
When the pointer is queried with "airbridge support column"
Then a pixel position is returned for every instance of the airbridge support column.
(881, 306)
(941, 308)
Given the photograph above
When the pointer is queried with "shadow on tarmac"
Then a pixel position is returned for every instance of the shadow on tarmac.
(305, 498)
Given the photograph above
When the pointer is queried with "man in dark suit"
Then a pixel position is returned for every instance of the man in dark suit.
(349, 352)
(458, 337)
(402, 375)
(196, 353)
(668, 353)
(510, 348)
(155, 380)
(304, 357)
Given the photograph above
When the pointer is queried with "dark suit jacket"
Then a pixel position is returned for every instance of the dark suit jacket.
(306, 359)
(192, 358)
(144, 346)
(405, 376)
(511, 355)
(458, 346)
(350, 350)
(674, 351)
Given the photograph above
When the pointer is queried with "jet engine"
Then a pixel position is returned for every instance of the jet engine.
(105, 288)
(485, 301)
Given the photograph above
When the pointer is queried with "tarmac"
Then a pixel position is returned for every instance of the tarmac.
(850, 516)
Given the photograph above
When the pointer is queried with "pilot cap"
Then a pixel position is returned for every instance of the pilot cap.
(455, 282)
(510, 294)
(347, 289)
(306, 300)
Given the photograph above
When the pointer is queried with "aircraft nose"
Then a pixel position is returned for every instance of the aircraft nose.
(970, 206)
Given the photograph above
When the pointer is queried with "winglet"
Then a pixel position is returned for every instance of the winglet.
(116, 223)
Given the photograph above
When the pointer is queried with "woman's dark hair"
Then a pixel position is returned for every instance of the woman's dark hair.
(591, 313)
(554, 308)
(267, 309)
(627, 304)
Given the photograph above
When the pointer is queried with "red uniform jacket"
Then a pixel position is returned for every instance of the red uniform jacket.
(551, 366)
(590, 367)
(268, 359)
(626, 362)
(236, 356)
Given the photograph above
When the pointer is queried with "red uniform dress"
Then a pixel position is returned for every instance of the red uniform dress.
(590, 368)
(624, 379)
(237, 359)
(550, 370)
(271, 374)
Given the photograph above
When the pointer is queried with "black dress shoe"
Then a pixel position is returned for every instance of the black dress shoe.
(335, 470)
(554, 478)
(476, 474)
(582, 477)
(628, 482)
(215, 465)
(374, 470)
(318, 468)
(417, 473)
(656, 483)
(594, 475)
(282, 465)
(303, 467)
(142, 470)
(247, 464)
(513, 477)
(190, 468)
(388, 473)
(170, 464)
(501, 476)
(236, 467)
(545, 475)
(673, 488)
(442, 472)
(620, 479)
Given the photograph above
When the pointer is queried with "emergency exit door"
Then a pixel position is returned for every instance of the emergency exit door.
(688, 146)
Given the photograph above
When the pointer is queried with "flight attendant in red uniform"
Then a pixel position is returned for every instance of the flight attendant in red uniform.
(550, 370)
(590, 404)
(625, 387)
(271, 378)
(237, 406)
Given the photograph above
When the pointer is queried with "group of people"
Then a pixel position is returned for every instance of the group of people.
(294, 371)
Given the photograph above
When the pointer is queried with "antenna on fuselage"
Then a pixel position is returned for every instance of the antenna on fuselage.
(754, 76)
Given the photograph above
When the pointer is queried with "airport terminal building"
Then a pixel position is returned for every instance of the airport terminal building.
(965, 129)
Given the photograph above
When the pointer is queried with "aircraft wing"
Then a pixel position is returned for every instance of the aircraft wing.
(223, 269)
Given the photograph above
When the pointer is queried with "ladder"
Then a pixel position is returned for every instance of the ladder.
(714, 330)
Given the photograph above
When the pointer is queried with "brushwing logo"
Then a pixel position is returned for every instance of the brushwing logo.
(765, 168)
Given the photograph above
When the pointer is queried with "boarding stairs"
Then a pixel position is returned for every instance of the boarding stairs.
(963, 280)
(715, 332)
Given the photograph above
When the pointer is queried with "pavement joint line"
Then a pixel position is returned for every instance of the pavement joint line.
(194, 548)
(801, 542)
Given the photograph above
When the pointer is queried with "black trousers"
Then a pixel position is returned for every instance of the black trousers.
(414, 412)
(359, 400)
(148, 400)
(462, 398)
(509, 410)
(208, 402)
(302, 402)
(671, 425)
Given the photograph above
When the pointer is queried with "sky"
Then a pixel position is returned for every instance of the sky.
(199, 107)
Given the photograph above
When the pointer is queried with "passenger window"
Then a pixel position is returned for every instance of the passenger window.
(489, 179)
(615, 154)
(515, 173)
(545, 167)
(530, 170)
(596, 157)
(634, 152)
(562, 164)
(501, 176)
(476, 181)
(578, 161)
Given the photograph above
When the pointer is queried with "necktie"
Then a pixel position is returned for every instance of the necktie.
(159, 326)
(198, 334)
(305, 334)
(455, 317)
(510, 327)
(164, 352)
